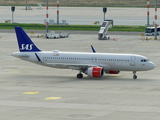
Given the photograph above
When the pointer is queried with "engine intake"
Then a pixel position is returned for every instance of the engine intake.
(95, 72)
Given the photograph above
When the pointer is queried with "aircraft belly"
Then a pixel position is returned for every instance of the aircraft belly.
(55, 66)
(120, 66)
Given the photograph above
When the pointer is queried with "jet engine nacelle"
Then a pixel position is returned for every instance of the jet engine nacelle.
(95, 72)
(112, 72)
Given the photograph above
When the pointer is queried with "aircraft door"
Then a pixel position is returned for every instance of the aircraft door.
(132, 61)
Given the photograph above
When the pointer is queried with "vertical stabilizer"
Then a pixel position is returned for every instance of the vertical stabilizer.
(24, 42)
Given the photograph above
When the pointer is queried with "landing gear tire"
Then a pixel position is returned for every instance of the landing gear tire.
(134, 77)
(79, 75)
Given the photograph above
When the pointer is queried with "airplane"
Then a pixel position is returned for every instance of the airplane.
(92, 64)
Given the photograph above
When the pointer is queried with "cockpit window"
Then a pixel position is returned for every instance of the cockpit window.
(144, 60)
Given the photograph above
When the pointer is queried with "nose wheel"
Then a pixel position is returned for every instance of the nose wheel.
(134, 75)
(80, 75)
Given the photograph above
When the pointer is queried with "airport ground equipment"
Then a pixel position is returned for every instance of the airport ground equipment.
(104, 29)
(51, 35)
(150, 31)
(64, 35)
(39, 6)
(96, 22)
(51, 22)
(7, 21)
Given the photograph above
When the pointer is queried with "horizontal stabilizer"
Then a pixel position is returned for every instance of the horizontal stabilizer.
(18, 54)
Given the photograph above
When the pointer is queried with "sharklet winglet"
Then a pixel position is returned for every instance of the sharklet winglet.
(93, 50)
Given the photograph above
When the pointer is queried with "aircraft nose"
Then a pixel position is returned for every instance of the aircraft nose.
(152, 65)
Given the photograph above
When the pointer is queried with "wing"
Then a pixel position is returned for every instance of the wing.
(70, 66)
(67, 65)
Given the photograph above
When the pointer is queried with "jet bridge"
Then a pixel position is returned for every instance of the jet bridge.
(104, 29)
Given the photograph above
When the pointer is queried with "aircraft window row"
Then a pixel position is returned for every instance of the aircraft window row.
(67, 58)
(85, 59)
(144, 60)
(113, 60)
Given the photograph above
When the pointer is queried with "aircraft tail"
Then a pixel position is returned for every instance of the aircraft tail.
(24, 42)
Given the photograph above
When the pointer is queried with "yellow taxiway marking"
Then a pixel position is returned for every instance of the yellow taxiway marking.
(30, 92)
(52, 98)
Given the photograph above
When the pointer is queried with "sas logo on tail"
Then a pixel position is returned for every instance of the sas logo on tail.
(26, 47)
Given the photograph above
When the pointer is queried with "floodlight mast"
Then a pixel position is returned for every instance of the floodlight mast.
(26, 4)
(47, 20)
(57, 12)
(155, 23)
(148, 6)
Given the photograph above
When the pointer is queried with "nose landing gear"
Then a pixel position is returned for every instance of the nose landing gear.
(134, 75)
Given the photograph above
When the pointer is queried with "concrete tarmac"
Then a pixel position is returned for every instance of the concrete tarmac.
(78, 15)
(30, 91)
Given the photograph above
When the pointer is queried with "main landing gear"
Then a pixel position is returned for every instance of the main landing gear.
(80, 75)
(134, 75)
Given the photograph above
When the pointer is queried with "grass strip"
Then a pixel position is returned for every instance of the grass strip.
(72, 27)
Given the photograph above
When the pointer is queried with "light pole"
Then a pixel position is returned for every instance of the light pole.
(47, 20)
(12, 9)
(26, 4)
(148, 6)
(57, 12)
(104, 10)
(155, 24)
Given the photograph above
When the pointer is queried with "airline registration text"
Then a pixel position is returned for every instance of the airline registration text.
(55, 54)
